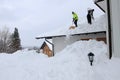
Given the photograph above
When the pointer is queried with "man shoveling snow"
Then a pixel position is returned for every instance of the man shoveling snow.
(75, 20)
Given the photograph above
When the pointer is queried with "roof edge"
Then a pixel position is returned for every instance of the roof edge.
(50, 37)
(99, 6)
(98, 0)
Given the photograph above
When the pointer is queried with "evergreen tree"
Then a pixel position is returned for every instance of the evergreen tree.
(15, 41)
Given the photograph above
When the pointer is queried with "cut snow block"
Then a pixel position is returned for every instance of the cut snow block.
(72, 27)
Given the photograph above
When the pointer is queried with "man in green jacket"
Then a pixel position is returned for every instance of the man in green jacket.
(75, 18)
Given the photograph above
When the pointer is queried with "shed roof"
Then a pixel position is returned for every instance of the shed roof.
(46, 43)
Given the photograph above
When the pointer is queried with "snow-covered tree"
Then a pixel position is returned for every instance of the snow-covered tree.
(15, 41)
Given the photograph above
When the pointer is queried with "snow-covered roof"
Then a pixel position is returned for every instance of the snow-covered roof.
(48, 44)
(98, 25)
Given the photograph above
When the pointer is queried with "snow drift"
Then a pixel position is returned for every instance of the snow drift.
(70, 64)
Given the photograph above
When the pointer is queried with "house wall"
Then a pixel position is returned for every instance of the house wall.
(115, 26)
(61, 42)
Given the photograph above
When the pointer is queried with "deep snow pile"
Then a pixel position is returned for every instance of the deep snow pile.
(70, 64)
(99, 24)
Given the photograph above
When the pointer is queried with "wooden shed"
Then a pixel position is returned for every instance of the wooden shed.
(45, 48)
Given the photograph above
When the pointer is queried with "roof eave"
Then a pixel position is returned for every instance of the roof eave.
(99, 0)
(99, 7)
(96, 3)
(50, 37)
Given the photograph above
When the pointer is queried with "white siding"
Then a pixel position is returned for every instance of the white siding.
(61, 42)
(115, 23)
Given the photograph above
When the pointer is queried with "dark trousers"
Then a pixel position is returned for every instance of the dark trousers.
(89, 18)
(75, 22)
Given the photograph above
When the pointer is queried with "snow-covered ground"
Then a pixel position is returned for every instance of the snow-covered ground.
(70, 64)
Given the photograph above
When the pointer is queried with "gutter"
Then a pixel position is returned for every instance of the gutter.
(51, 44)
(109, 29)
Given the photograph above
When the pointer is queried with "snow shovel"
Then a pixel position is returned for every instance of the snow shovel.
(72, 26)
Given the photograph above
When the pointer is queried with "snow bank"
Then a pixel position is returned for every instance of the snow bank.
(99, 24)
(82, 48)
(70, 64)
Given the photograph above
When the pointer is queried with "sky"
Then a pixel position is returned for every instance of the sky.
(35, 17)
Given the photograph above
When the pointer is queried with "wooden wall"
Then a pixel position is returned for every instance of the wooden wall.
(47, 51)
(98, 39)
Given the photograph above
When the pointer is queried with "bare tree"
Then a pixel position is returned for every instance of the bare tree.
(4, 38)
